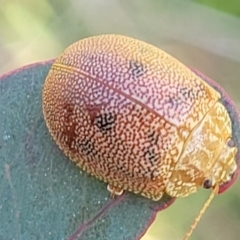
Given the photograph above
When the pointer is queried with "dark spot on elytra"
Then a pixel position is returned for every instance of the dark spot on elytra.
(93, 111)
(187, 92)
(69, 126)
(105, 121)
(86, 147)
(150, 155)
(149, 152)
(68, 112)
(136, 69)
(70, 137)
(153, 137)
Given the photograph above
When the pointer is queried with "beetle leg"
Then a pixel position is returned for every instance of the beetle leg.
(114, 190)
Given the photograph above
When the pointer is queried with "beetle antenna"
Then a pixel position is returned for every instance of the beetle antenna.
(197, 219)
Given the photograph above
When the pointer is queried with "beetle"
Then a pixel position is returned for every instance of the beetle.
(136, 118)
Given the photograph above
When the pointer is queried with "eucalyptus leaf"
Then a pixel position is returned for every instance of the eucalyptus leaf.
(43, 195)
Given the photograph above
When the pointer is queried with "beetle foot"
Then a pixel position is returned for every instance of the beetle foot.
(114, 190)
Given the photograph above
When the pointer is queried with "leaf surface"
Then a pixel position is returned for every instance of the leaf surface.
(43, 195)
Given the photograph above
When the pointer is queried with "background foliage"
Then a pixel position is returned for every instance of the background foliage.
(201, 33)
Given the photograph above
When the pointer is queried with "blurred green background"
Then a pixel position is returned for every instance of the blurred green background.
(204, 34)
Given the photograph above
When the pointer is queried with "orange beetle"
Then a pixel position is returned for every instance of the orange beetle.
(135, 117)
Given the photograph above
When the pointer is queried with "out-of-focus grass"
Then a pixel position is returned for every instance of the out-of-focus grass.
(199, 36)
(231, 6)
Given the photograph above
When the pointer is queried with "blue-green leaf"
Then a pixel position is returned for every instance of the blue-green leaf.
(43, 195)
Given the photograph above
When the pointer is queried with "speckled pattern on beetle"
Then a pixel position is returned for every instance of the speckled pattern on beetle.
(135, 117)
